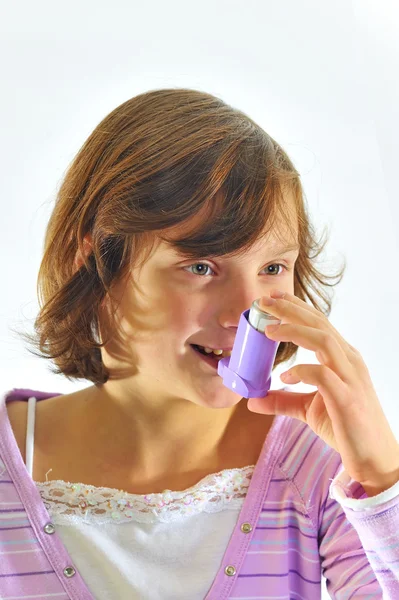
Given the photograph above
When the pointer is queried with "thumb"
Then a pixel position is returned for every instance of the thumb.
(281, 402)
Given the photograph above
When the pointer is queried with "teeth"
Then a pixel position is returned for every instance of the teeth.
(217, 352)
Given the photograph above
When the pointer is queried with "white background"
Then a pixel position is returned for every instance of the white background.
(321, 77)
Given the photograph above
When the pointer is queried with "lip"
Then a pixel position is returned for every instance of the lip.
(207, 358)
(224, 348)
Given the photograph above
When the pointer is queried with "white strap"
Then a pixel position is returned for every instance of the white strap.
(30, 434)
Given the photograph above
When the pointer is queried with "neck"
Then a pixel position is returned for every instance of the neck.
(150, 438)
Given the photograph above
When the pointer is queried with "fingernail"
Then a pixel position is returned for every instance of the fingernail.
(268, 301)
(286, 375)
(278, 294)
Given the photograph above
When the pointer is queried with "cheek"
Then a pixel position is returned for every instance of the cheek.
(182, 315)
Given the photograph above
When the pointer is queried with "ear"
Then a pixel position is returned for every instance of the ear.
(87, 247)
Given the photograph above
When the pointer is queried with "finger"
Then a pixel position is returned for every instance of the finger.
(326, 347)
(333, 389)
(280, 402)
(296, 310)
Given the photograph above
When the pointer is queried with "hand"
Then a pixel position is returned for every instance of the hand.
(344, 411)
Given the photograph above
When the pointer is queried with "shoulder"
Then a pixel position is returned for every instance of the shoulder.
(45, 412)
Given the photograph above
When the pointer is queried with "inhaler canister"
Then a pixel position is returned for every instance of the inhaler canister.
(248, 370)
(258, 318)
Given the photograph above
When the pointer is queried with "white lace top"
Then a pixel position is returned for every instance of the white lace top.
(125, 545)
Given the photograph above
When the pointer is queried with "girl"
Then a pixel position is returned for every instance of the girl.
(157, 481)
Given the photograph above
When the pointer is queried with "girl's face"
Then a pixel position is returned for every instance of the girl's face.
(171, 303)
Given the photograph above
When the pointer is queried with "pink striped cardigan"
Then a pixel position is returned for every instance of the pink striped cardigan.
(293, 528)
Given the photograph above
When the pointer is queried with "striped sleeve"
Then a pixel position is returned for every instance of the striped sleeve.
(310, 464)
(376, 523)
(359, 545)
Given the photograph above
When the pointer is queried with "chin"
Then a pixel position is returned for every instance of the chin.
(221, 400)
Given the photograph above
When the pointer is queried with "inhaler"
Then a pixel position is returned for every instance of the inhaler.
(248, 370)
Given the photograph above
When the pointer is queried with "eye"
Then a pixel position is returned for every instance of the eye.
(276, 265)
(206, 266)
(196, 265)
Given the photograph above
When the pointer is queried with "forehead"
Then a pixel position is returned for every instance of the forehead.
(280, 234)
(275, 242)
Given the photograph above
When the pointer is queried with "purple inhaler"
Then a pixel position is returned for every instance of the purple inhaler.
(248, 370)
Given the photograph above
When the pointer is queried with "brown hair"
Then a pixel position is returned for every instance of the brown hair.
(152, 163)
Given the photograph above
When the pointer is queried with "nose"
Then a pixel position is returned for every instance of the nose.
(235, 303)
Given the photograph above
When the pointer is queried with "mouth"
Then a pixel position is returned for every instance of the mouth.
(209, 358)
